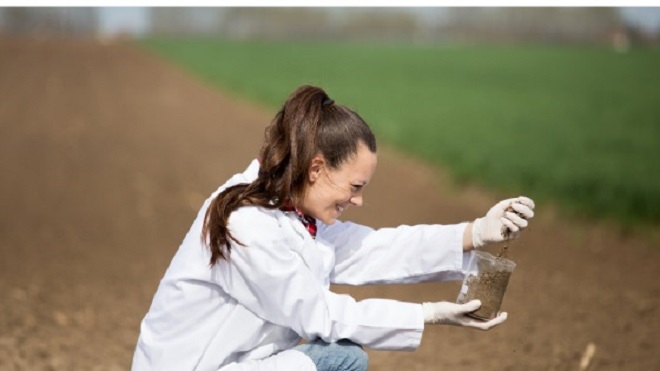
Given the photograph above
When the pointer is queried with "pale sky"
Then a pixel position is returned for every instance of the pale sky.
(647, 18)
(135, 20)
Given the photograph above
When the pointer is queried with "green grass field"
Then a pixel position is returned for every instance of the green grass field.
(580, 126)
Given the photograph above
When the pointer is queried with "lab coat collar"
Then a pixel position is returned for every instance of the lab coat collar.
(252, 171)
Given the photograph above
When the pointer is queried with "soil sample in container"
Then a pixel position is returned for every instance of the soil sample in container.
(486, 279)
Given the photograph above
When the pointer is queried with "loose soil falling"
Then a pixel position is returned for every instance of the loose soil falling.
(106, 154)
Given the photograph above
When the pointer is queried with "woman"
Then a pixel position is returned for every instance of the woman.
(252, 276)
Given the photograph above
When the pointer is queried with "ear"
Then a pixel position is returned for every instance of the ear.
(316, 168)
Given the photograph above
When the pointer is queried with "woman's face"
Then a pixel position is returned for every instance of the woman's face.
(330, 192)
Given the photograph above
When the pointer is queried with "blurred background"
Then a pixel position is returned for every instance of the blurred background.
(538, 72)
(617, 27)
(116, 124)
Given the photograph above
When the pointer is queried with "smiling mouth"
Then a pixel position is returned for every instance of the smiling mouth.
(340, 209)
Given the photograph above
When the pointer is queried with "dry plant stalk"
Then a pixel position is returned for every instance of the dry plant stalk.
(587, 356)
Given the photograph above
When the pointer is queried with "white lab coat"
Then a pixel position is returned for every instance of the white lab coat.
(247, 313)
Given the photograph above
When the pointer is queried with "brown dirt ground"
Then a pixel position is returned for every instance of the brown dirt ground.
(106, 153)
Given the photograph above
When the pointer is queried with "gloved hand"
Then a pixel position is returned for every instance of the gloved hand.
(446, 313)
(503, 221)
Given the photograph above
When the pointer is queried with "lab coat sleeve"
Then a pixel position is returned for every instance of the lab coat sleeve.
(406, 254)
(272, 280)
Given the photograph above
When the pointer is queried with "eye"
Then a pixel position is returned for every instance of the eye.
(356, 187)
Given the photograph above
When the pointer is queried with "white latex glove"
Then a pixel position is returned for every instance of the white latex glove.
(446, 313)
(504, 221)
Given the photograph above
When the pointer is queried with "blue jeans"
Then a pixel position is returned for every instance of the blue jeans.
(343, 355)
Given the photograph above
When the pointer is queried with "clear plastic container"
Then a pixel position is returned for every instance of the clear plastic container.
(486, 279)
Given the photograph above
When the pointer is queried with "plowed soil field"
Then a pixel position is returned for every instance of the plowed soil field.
(107, 152)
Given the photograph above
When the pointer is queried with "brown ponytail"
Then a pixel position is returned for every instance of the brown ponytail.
(308, 123)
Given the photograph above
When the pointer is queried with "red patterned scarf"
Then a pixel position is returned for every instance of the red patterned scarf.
(307, 221)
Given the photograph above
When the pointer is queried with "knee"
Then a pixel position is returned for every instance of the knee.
(343, 355)
(354, 358)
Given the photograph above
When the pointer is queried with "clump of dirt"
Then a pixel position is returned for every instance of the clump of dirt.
(504, 251)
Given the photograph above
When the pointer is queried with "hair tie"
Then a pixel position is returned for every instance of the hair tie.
(328, 101)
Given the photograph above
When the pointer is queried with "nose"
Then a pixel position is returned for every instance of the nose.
(356, 200)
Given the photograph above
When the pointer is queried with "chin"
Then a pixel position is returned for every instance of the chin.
(328, 220)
